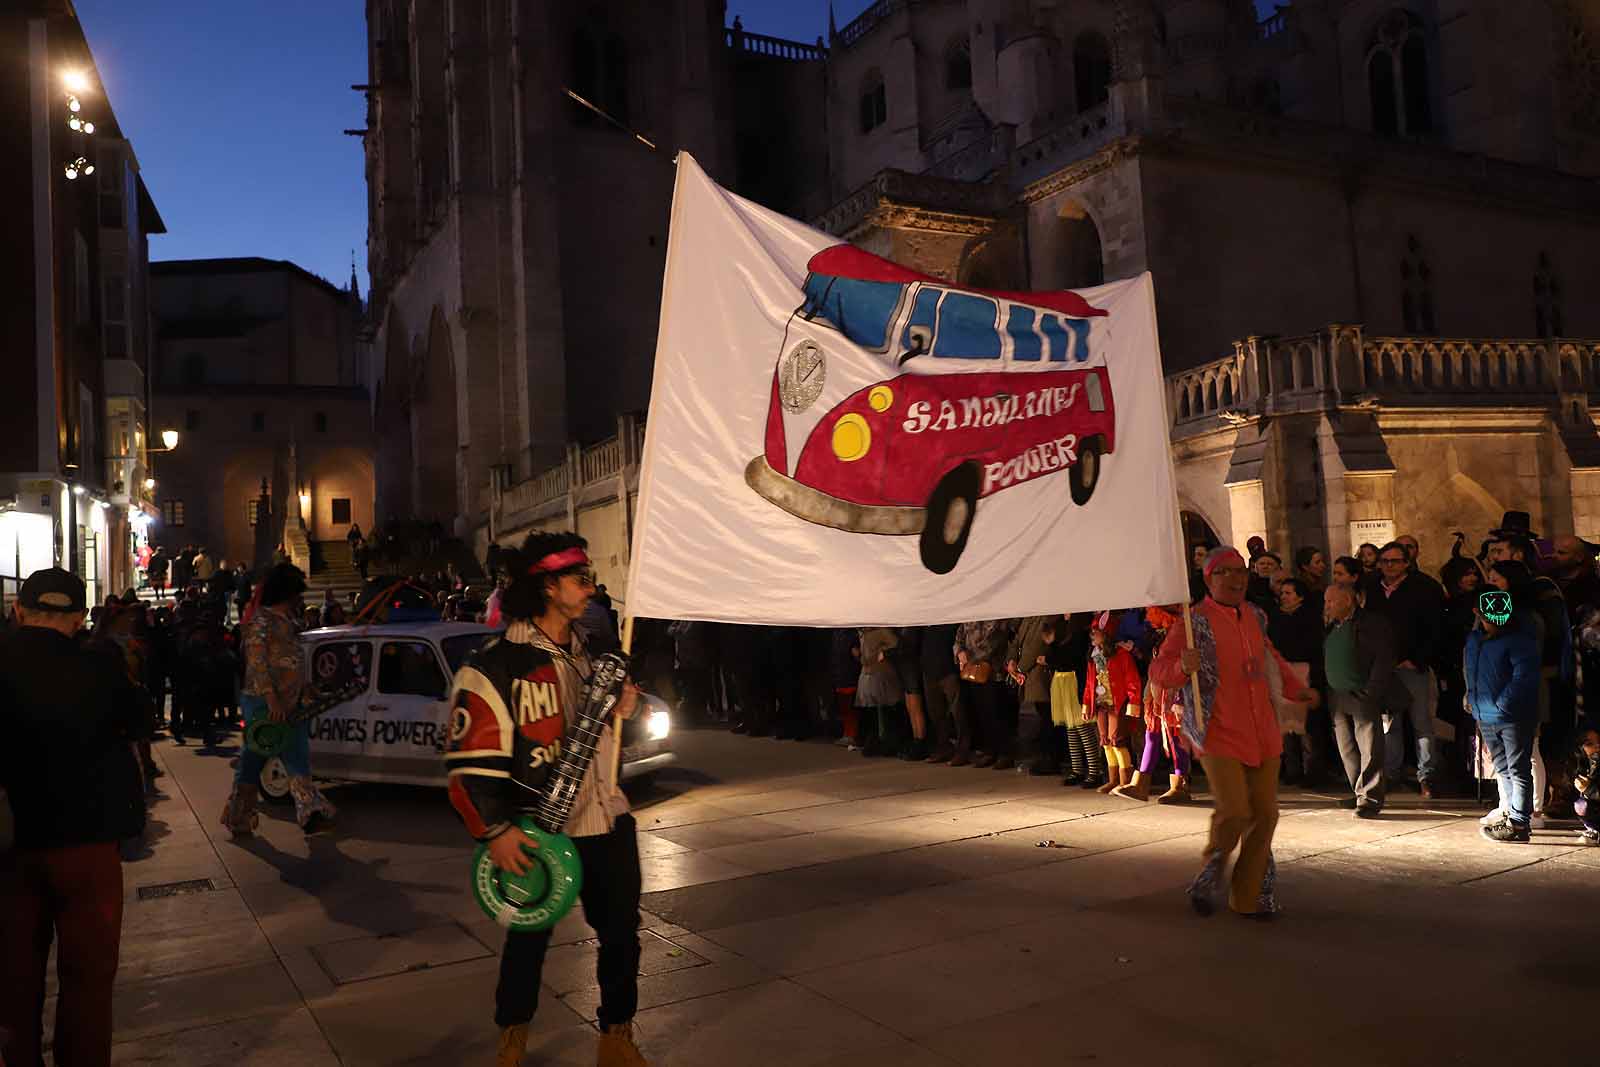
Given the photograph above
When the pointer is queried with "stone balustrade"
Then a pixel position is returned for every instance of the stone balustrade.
(1080, 136)
(585, 467)
(1340, 365)
(742, 40)
(863, 23)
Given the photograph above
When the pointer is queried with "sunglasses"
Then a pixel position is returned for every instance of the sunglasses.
(1392, 559)
(583, 577)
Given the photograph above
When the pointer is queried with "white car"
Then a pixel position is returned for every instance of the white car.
(398, 729)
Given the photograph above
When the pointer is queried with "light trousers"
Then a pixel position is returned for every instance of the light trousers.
(1361, 748)
(1244, 814)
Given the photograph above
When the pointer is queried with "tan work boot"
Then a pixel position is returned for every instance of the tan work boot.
(513, 1040)
(1177, 792)
(1138, 789)
(617, 1048)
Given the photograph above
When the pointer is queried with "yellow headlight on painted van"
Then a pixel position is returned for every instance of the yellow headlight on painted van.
(851, 437)
(881, 398)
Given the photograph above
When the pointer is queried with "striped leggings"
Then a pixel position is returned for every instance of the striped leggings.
(1085, 757)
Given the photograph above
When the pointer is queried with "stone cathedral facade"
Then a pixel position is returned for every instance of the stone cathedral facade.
(1374, 229)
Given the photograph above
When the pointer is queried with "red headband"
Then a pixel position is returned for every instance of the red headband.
(560, 561)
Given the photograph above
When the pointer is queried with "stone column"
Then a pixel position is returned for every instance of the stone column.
(1136, 90)
(1247, 505)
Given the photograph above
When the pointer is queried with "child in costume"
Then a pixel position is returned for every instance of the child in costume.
(1067, 652)
(1112, 691)
(1163, 710)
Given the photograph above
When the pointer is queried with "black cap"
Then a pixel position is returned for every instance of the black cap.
(53, 589)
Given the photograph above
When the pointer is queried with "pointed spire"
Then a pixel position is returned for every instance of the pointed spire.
(833, 26)
(355, 285)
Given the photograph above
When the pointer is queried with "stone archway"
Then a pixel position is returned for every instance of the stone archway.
(993, 261)
(435, 436)
(1197, 531)
(1080, 257)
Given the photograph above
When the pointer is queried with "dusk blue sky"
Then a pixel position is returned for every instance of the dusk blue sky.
(236, 107)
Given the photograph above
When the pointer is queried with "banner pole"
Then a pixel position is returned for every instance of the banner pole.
(1188, 634)
(616, 722)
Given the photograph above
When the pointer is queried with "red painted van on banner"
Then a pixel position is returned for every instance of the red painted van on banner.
(899, 401)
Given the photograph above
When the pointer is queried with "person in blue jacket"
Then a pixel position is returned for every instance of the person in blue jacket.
(1502, 675)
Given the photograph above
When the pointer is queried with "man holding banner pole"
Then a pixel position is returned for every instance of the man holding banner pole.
(1228, 672)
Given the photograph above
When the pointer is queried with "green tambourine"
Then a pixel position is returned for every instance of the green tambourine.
(536, 900)
(267, 738)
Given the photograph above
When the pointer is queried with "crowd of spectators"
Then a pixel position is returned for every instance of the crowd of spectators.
(1419, 689)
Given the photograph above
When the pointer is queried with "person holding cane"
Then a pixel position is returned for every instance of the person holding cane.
(1227, 670)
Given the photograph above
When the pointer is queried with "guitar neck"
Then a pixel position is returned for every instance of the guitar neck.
(561, 794)
(580, 745)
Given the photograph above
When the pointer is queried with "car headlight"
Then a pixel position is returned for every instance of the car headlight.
(851, 437)
(658, 726)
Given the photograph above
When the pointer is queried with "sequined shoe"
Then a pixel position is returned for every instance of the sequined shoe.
(1203, 890)
(239, 816)
(1267, 908)
(312, 810)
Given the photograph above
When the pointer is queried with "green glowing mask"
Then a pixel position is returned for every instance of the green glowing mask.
(1495, 605)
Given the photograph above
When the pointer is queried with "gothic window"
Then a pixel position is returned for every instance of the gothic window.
(958, 65)
(616, 75)
(1416, 290)
(585, 68)
(1091, 70)
(874, 102)
(1397, 77)
(599, 73)
(1547, 316)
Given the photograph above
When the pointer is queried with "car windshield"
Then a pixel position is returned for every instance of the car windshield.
(858, 309)
(457, 648)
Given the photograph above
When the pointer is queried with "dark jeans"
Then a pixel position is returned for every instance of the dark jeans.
(1511, 747)
(72, 896)
(1036, 734)
(939, 702)
(610, 899)
(986, 714)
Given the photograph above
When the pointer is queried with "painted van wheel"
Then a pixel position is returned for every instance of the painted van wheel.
(274, 782)
(1084, 475)
(949, 520)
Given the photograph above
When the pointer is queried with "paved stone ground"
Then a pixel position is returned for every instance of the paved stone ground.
(805, 906)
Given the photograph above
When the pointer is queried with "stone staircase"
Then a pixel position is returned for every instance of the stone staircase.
(334, 570)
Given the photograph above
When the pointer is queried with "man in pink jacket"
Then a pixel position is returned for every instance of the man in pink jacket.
(1233, 728)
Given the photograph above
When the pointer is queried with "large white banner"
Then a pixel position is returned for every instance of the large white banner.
(836, 440)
